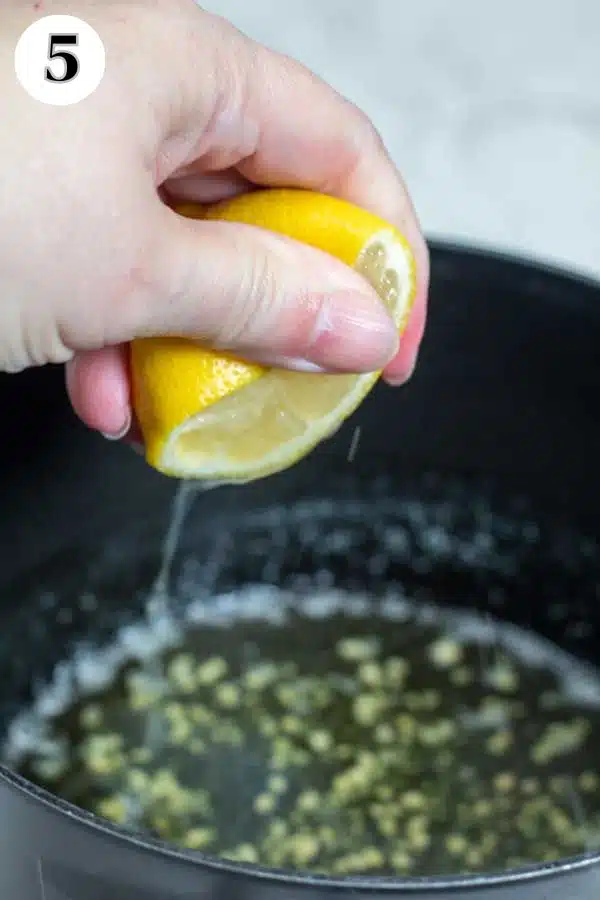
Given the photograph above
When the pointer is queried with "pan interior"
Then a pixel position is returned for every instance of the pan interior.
(382, 680)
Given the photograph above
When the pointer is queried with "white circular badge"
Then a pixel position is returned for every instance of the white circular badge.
(60, 60)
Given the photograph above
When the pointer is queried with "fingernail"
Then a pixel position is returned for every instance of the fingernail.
(295, 365)
(118, 435)
(354, 333)
(404, 374)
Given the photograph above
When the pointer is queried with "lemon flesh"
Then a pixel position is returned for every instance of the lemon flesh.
(208, 416)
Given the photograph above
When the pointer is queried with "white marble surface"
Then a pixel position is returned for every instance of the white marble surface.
(492, 110)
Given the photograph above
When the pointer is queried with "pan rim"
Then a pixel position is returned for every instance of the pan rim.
(512, 259)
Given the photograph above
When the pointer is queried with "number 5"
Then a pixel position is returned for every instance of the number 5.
(71, 62)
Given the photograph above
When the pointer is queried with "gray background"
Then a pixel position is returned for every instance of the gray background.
(491, 110)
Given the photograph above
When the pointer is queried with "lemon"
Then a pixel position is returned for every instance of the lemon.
(209, 416)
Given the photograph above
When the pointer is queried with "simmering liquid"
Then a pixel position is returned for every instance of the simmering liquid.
(323, 730)
(343, 746)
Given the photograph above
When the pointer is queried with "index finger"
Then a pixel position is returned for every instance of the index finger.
(280, 125)
(312, 137)
(306, 134)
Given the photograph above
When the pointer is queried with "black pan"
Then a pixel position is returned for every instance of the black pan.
(485, 472)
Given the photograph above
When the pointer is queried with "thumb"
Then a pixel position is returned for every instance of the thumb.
(263, 296)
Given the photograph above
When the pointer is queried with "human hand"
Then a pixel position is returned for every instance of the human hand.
(92, 257)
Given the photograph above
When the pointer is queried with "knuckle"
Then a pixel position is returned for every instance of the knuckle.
(34, 340)
(139, 284)
(361, 142)
(253, 306)
(367, 135)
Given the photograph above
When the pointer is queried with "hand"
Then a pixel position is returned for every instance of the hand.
(92, 257)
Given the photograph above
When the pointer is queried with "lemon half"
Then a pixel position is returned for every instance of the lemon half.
(209, 416)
